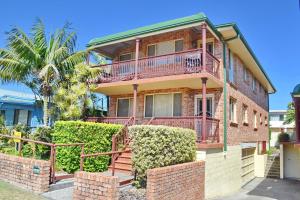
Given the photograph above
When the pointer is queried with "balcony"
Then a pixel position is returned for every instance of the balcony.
(179, 63)
(191, 122)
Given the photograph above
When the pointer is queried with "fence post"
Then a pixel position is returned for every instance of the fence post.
(20, 148)
(81, 157)
(113, 155)
(53, 163)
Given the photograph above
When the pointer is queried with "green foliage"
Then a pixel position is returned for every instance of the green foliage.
(283, 137)
(95, 136)
(73, 98)
(159, 146)
(290, 115)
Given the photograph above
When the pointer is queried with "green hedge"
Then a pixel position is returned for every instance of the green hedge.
(159, 146)
(283, 137)
(96, 137)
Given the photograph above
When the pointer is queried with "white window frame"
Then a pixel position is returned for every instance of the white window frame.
(234, 120)
(153, 94)
(117, 105)
(255, 119)
(122, 54)
(209, 96)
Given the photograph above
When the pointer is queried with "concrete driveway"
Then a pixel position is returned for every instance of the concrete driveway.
(267, 189)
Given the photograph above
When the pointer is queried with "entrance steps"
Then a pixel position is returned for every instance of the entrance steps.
(273, 167)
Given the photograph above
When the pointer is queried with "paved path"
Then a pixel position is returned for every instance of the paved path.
(267, 189)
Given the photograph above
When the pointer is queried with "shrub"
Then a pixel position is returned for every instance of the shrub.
(159, 146)
(283, 137)
(96, 137)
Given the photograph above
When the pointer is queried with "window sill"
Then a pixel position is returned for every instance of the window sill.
(234, 124)
(245, 123)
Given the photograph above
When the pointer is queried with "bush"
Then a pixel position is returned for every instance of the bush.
(283, 137)
(159, 146)
(96, 137)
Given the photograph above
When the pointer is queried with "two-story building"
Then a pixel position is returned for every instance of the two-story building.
(193, 74)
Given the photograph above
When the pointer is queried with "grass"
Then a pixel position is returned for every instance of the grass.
(10, 192)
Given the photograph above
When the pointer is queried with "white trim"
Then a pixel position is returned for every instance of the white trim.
(209, 96)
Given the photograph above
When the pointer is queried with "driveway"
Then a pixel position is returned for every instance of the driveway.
(267, 189)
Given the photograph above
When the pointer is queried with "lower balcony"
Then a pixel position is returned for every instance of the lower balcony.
(192, 122)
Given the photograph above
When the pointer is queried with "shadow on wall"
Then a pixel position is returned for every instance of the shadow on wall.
(277, 189)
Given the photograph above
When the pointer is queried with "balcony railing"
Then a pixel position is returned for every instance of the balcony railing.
(191, 122)
(184, 62)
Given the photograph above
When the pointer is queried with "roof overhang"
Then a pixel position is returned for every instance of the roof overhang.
(238, 45)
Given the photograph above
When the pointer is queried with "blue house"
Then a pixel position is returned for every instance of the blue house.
(20, 108)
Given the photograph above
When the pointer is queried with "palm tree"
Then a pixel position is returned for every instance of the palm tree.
(38, 61)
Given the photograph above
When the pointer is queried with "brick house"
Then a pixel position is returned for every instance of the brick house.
(191, 73)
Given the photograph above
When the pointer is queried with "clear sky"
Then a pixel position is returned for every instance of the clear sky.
(272, 27)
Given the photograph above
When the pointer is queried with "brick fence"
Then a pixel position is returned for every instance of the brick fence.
(95, 186)
(27, 173)
(183, 181)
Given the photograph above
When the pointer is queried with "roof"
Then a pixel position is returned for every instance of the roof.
(296, 89)
(149, 29)
(9, 96)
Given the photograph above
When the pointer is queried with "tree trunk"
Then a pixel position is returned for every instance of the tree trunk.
(45, 110)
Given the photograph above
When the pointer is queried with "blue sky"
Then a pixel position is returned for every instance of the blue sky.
(271, 27)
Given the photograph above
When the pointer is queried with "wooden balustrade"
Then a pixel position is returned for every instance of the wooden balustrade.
(183, 62)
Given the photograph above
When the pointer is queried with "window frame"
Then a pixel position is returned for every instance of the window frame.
(245, 114)
(208, 40)
(153, 94)
(234, 120)
(255, 124)
(207, 96)
(122, 54)
(117, 105)
(231, 69)
(174, 46)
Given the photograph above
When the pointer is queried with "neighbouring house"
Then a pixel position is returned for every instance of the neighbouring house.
(290, 151)
(20, 108)
(190, 73)
(277, 126)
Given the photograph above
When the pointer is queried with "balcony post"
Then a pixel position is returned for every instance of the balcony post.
(135, 86)
(203, 33)
(204, 80)
(137, 46)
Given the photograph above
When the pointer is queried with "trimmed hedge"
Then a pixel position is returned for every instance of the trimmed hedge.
(96, 137)
(283, 137)
(159, 146)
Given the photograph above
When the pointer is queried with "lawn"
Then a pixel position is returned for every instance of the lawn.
(10, 192)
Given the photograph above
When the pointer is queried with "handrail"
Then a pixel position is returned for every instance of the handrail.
(52, 150)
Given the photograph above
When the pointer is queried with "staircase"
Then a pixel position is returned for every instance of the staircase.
(123, 163)
(273, 166)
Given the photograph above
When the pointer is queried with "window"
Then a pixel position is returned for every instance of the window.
(209, 105)
(209, 46)
(254, 84)
(245, 114)
(16, 116)
(277, 117)
(232, 110)
(29, 118)
(178, 45)
(255, 120)
(151, 50)
(260, 118)
(125, 57)
(163, 105)
(124, 107)
(231, 67)
(260, 87)
(266, 121)
(245, 74)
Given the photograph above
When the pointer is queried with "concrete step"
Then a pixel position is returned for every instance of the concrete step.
(123, 171)
(65, 183)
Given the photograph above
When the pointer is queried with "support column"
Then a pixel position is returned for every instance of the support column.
(204, 80)
(297, 115)
(137, 46)
(203, 33)
(135, 87)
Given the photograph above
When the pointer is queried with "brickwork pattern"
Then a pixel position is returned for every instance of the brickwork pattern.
(19, 171)
(88, 186)
(183, 181)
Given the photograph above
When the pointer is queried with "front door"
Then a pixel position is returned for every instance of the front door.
(209, 105)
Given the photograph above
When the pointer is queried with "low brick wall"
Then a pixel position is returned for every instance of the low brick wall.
(20, 172)
(95, 186)
(183, 181)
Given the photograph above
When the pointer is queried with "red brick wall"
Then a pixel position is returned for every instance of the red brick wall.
(95, 186)
(19, 171)
(183, 181)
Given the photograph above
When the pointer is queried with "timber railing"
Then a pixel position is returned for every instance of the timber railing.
(52, 159)
(119, 141)
(184, 62)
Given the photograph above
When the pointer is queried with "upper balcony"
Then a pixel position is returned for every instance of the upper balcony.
(179, 63)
